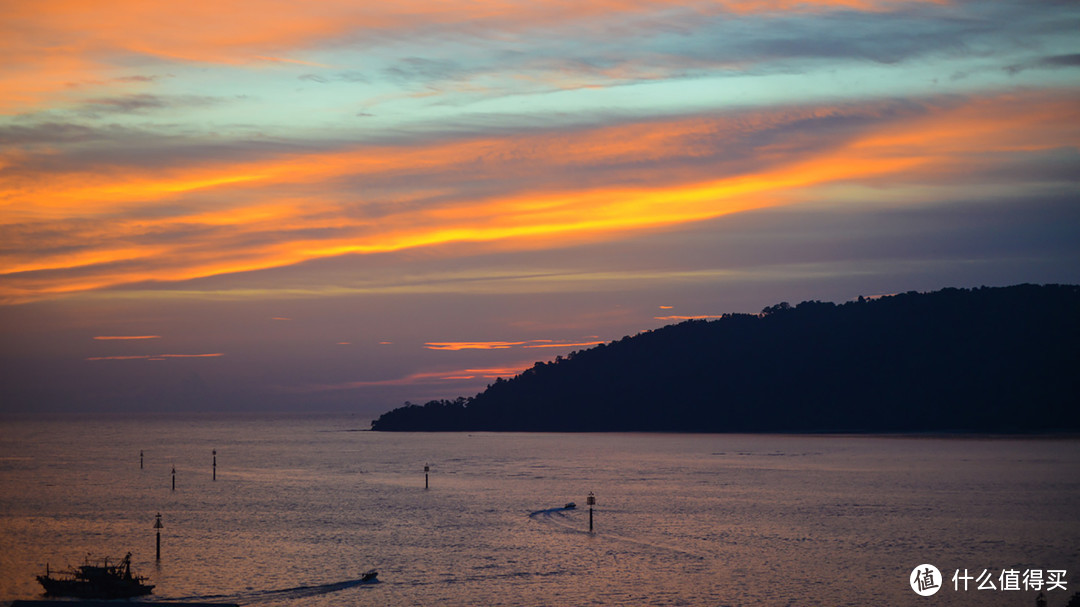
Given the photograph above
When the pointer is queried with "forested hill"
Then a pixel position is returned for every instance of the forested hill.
(981, 360)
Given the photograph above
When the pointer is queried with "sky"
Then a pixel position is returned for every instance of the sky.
(340, 206)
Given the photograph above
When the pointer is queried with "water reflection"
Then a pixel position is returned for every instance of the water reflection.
(298, 513)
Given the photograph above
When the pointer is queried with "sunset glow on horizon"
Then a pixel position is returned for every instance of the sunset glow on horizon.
(425, 180)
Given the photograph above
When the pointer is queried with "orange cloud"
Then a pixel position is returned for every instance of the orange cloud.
(84, 230)
(109, 337)
(472, 345)
(156, 356)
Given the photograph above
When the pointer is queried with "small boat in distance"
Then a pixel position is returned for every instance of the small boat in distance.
(98, 580)
(369, 576)
(569, 506)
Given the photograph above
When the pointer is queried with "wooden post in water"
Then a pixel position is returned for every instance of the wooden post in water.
(215, 464)
(426, 469)
(140, 459)
(174, 478)
(591, 500)
(157, 528)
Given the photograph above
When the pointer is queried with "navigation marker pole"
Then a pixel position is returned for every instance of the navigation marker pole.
(174, 478)
(157, 527)
(591, 500)
(140, 459)
(215, 464)
(426, 469)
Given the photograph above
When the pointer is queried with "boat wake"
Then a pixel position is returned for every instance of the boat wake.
(255, 597)
(560, 517)
(555, 516)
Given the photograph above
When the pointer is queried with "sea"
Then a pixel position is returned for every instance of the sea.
(292, 510)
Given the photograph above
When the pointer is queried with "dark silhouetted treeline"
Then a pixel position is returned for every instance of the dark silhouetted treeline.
(979, 360)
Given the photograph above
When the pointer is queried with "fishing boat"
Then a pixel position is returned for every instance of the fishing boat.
(96, 580)
(370, 576)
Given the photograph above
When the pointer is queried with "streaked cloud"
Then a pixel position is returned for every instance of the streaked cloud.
(52, 44)
(69, 231)
(506, 345)
(422, 378)
(678, 318)
(156, 356)
(123, 337)
(1071, 60)
(552, 344)
(472, 345)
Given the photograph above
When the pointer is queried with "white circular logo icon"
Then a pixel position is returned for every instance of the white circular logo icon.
(925, 580)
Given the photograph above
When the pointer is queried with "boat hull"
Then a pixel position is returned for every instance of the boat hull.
(98, 580)
(91, 590)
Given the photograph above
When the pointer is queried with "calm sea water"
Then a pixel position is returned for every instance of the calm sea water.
(302, 506)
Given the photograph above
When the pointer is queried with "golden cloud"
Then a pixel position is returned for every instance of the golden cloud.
(80, 230)
(472, 345)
